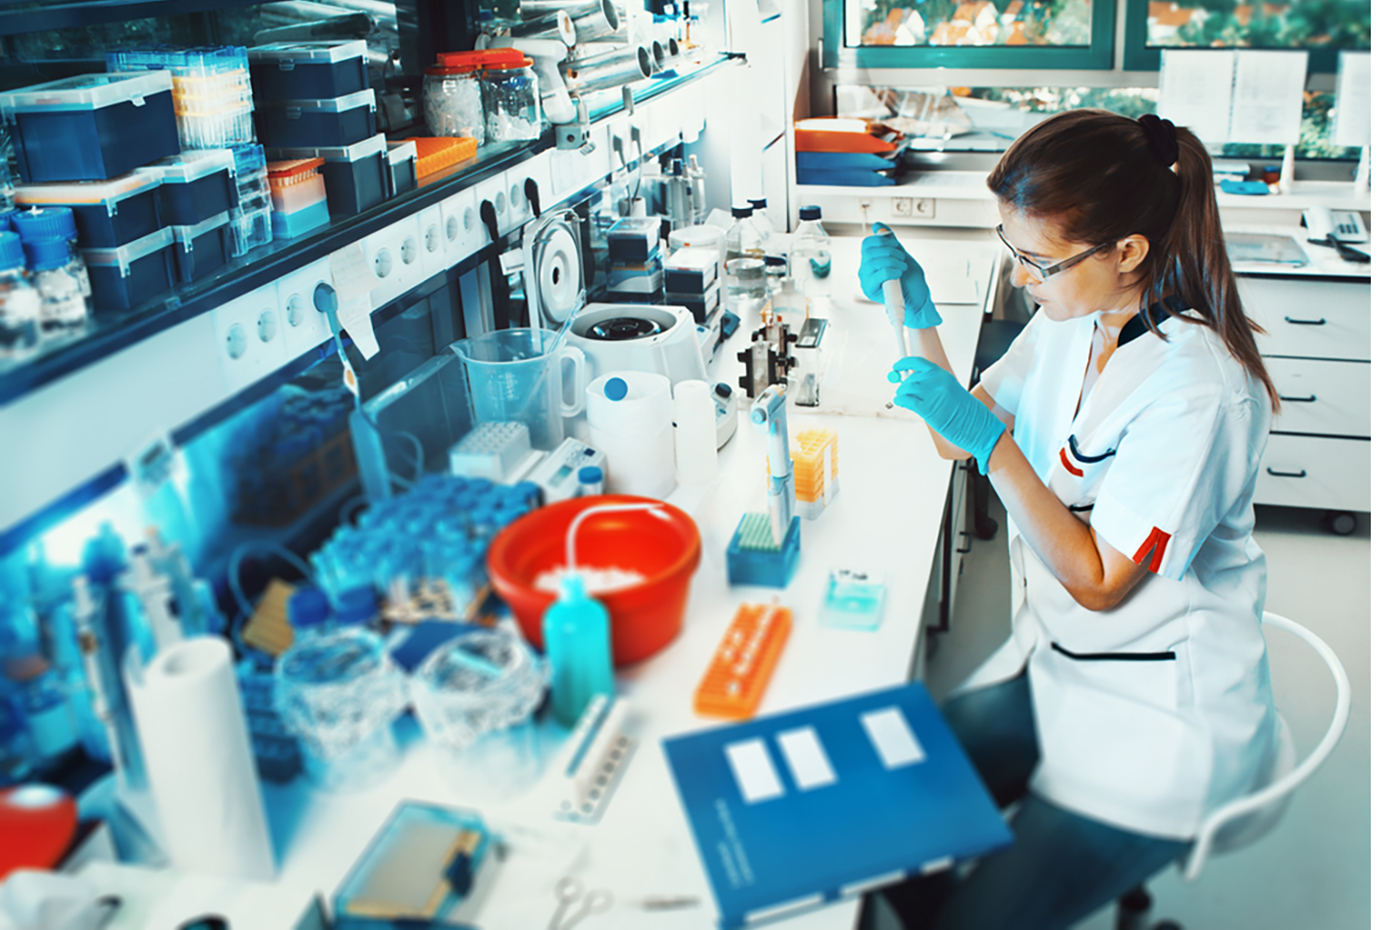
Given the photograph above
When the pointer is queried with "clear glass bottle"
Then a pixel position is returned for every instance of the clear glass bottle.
(50, 236)
(746, 259)
(20, 307)
(453, 102)
(809, 255)
(761, 218)
(339, 691)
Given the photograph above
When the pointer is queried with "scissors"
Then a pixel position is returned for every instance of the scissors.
(570, 889)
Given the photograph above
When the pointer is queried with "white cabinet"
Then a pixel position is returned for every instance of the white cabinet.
(1317, 348)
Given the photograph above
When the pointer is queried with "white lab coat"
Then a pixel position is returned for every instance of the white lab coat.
(1156, 711)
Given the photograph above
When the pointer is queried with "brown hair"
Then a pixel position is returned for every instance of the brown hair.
(1100, 178)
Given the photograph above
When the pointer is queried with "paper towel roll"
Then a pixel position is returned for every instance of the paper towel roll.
(199, 760)
(695, 432)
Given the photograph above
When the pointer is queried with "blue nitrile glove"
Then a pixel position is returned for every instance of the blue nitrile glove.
(933, 394)
(884, 259)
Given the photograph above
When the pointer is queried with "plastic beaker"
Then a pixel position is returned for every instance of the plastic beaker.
(516, 374)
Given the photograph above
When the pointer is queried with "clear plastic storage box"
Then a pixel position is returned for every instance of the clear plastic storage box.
(308, 70)
(195, 185)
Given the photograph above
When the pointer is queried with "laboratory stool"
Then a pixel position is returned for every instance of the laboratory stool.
(995, 336)
(1245, 820)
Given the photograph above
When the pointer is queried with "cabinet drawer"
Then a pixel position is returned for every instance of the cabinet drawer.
(1310, 319)
(1307, 471)
(1324, 397)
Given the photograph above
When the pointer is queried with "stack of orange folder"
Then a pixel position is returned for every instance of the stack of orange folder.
(846, 152)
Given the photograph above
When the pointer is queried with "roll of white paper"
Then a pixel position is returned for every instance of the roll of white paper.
(695, 437)
(199, 760)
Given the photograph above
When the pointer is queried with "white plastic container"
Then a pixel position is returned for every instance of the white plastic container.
(630, 415)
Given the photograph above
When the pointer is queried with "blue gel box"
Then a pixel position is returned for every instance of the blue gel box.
(91, 127)
(308, 70)
(203, 247)
(356, 176)
(291, 225)
(331, 122)
(129, 275)
(107, 213)
(195, 185)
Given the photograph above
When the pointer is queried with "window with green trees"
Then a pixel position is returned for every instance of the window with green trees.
(1321, 26)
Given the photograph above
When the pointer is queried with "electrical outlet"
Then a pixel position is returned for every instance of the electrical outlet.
(248, 337)
(464, 233)
(394, 259)
(496, 190)
(902, 206)
(433, 228)
(925, 207)
(304, 326)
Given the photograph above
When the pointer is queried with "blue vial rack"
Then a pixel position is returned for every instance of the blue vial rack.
(107, 213)
(91, 127)
(308, 70)
(332, 122)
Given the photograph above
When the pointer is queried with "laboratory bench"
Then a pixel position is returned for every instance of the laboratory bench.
(890, 514)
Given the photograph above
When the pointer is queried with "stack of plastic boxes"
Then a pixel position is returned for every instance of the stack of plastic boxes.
(691, 280)
(196, 194)
(636, 275)
(95, 129)
(212, 90)
(314, 102)
(251, 214)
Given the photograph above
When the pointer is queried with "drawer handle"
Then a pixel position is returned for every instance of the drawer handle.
(960, 550)
(1299, 400)
(1301, 473)
(1319, 322)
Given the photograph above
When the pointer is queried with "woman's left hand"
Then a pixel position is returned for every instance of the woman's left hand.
(933, 394)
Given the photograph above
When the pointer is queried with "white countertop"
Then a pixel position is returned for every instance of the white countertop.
(887, 513)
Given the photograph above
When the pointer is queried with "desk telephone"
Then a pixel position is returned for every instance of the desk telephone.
(1342, 229)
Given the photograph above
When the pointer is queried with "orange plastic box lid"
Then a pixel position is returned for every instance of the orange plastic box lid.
(844, 134)
(491, 58)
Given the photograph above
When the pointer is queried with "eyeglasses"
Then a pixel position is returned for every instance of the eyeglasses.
(1042, 272)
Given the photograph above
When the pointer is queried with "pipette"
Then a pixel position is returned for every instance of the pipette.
(895, 305)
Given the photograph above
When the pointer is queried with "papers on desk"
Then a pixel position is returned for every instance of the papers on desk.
(797, 810)
(1268, 249)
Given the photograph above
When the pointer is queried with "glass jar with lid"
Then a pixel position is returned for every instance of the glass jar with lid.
(451, 92)
(509, 91)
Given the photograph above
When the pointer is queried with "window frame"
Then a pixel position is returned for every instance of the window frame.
(1098, 56)
(1140, 56)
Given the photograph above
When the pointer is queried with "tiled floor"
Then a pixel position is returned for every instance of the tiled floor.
(1313, 872)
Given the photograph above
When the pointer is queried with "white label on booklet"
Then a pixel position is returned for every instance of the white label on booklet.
(891, 736)
(751, 765)
(806, 759)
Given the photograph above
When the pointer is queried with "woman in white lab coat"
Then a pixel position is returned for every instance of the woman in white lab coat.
(1123, 431)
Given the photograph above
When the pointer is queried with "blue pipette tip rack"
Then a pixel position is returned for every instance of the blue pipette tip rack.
(753, 558)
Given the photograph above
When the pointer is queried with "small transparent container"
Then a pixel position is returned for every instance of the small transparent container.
(453, 103)
(20, 305)
(513, 112)
(475, 696)
(339, 691)
(810, 256)
(65, 292)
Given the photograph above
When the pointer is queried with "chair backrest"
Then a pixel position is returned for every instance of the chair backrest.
(1246, 819)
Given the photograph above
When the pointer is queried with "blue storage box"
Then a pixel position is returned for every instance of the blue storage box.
(195, 185)
(332, 122)
(308, 70)
(91, 127)
(131, 274)
(356, 176)
(203, 247)
(107, 213)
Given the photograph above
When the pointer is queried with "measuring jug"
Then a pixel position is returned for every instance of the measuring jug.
(517, 374)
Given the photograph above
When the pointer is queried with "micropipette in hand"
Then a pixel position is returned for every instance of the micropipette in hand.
(895, 304)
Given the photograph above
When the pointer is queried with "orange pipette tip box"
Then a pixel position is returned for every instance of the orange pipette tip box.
(742, 665)
(438, 153)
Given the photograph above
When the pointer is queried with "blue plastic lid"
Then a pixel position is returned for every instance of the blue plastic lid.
(11, 250)
(45, 223)
(590, 475)
(46, 254)
(357, 605)
(308, 607)
(810, 213)
(616, 389)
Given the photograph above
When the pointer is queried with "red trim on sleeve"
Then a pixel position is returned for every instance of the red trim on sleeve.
(1157, 541)
(1066, 463)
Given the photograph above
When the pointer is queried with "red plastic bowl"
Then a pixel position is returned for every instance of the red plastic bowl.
(644, 617)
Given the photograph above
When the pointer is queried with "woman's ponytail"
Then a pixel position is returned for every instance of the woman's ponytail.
(1196, 267)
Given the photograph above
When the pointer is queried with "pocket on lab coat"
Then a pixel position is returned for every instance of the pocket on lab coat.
(1117, 741)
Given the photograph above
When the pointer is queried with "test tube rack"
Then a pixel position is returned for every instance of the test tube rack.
(741, 667)
(816, 457)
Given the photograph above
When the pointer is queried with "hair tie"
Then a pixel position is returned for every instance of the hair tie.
(1163, 138)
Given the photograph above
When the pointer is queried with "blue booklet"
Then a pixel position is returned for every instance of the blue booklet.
(796, 810)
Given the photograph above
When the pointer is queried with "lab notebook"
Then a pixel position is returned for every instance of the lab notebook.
(801, 809)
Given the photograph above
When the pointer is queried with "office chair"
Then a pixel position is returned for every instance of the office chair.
(1245, 820)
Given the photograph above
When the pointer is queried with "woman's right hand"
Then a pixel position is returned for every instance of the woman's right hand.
(885, 259)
